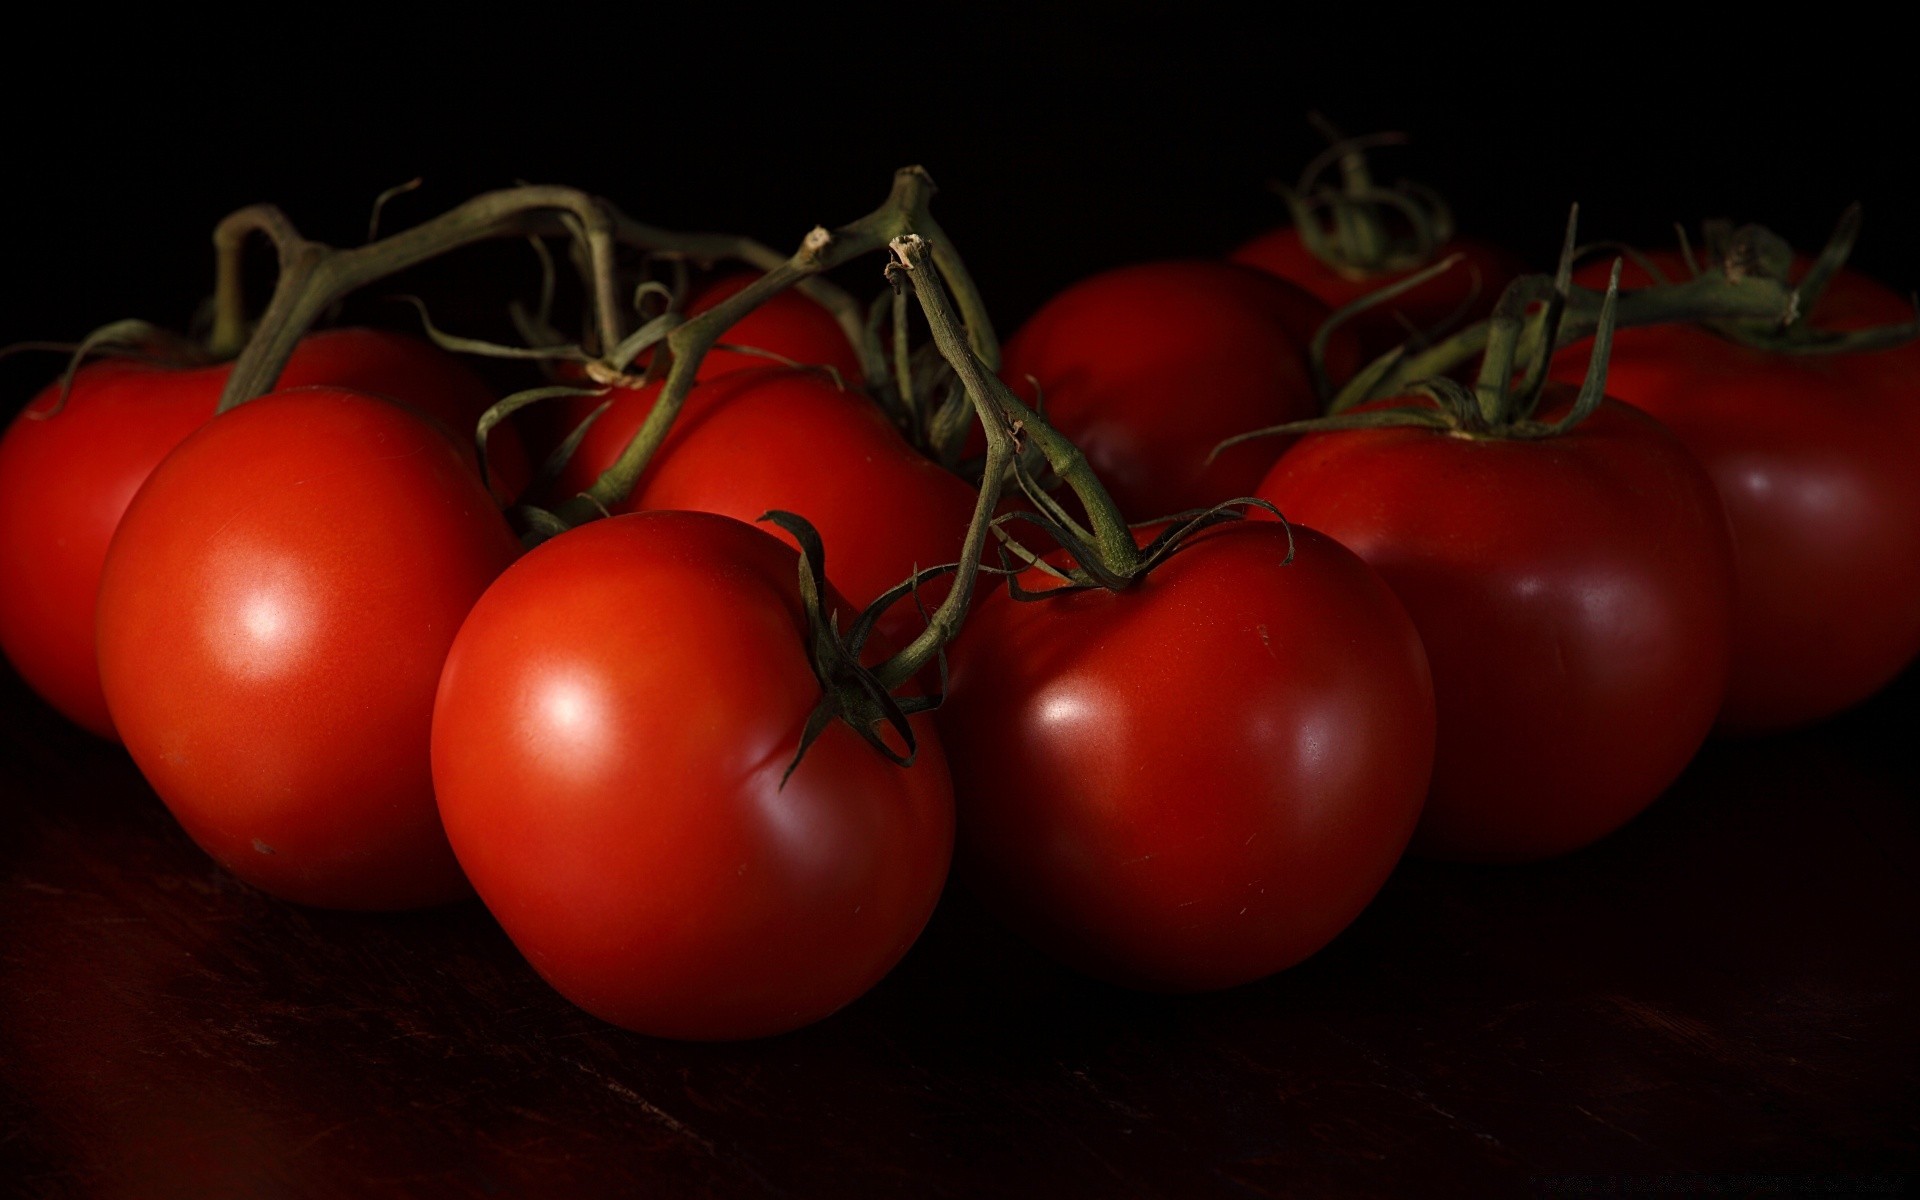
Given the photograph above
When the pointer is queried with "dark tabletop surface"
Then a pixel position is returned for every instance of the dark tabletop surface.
(1721, 999)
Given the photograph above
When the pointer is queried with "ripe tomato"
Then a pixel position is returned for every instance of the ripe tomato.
(608, 746)
(787, 324)
(1460, 296)
(274, 612)
(780, 438)
(1198, 781)
(1814, 458)
(1574, 597)
(1148, 368)
(66, 479)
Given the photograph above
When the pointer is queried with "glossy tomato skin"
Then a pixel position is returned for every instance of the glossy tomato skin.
(1814, 458)
(1574, 596)
(608, 746)
(1459, 297)
(780, 438)
(1149, 367)
(1201, 780)
(274, 613)
(66, 478)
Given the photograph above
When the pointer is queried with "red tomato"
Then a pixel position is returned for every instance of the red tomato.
(608, 746)
(1815, 461)
(66, 479)
(274, 612)
(775, 437)
(1198, 781)
(1460, 296)
(788, 324)
(1148, 368)
(1574, 597)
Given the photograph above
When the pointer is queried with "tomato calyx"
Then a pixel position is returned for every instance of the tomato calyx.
(1082, 570)
(1356, 226)
(1504, 399)
(1525, 337)
(1753, 250)
(849, 691)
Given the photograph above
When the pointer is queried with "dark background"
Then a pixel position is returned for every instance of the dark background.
(1064, 140)
(1724, 987)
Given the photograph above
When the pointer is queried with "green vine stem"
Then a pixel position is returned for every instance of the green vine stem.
(904, 211)
(1112, 538)
(882, 376)
(313, 276)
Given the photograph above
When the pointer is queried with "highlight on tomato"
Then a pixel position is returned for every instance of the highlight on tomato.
(274, 612)
(1811, 434)
(72, 460)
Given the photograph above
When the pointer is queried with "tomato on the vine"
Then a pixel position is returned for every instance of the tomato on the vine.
(787, 324)
(1573, 593)
(769, 438)
(68, 471)
(1197, 781)
(1149, 367)
(1455, 297)
(274, 612)
(1815, 460)
(609, 745)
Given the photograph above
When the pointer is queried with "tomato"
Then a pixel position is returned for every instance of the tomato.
(787, 324)
(1464, 294)
(1200, 780)
(608, 745)
(1814, 458)
(780, 438)
(273, 615)
(1573, 594)
(1147, 368)
(66, 479)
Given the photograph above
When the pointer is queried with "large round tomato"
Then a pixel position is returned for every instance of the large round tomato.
(66, 477)
(1815, 460)
(1148, 368)
(274, 612)
(608, 745)
(1461, 295)
(779, 438)
(1198, 781)
(1574, 595)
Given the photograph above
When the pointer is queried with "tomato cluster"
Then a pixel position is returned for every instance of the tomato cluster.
(703, 708)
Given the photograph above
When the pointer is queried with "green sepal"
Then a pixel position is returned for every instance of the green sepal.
(848, 691)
